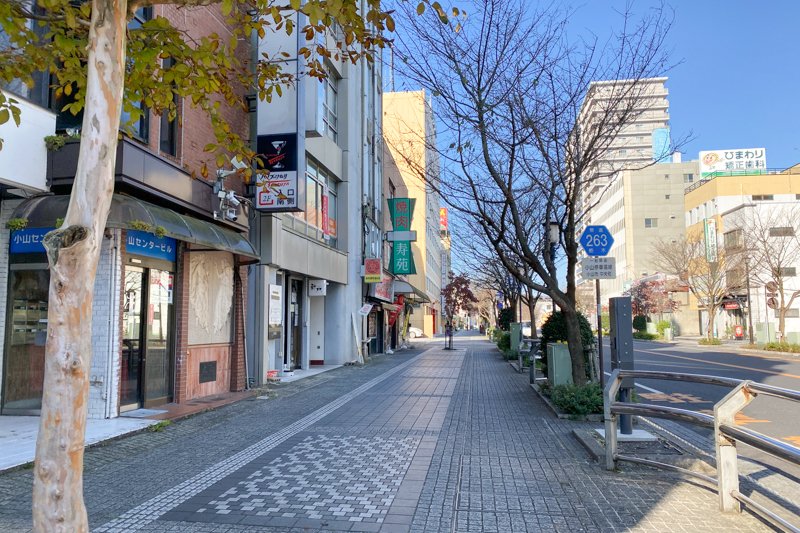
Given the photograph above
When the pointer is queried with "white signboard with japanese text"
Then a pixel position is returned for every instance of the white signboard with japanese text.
(739, 161)
(275, 305)
(601, 267)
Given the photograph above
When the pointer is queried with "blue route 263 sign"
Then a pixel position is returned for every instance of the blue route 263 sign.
(596, 241)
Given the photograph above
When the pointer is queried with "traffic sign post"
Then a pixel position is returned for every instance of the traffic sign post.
(596, 241)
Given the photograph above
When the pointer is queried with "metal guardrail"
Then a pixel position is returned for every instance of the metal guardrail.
(726, 432)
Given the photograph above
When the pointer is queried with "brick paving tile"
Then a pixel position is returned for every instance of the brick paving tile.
(420, 441)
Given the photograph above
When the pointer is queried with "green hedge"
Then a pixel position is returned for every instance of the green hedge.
(578, 400)
(709, 342)
(640, 323)
(782, 347)
(504, 341)
(642, 336)
(662, 325)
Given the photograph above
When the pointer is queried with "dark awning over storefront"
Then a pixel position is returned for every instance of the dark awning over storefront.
(128, 212)
(411, 292)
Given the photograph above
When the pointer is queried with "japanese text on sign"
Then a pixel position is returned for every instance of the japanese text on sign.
(742, 161)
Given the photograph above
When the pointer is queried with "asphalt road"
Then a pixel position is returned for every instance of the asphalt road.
(771, 416)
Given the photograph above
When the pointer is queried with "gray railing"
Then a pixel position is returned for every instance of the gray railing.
(726, 432)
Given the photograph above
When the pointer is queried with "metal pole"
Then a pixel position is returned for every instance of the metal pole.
(749, 300)
(599, 332)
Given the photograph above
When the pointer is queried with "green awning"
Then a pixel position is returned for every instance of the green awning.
(43, 211)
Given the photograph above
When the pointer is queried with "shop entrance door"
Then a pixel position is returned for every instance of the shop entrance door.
(294, 340)
(147, 360)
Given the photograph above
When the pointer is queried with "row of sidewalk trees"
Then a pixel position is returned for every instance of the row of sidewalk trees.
(509, 79)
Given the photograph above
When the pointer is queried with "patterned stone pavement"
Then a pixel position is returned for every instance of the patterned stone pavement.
(434, 441)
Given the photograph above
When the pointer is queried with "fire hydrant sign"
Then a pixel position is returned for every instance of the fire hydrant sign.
(599, 268)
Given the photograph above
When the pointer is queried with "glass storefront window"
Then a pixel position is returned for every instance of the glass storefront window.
(26, 335)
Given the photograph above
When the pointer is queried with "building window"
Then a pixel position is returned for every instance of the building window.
(321, 204)
(168, 143)
(666, 197)
(688, 178)
(666, 176)
(792, 313)
(732, 239)
(787, 231)
(329, 106)
(785, 272)
(651, 223)
(763, 197)
(797, 196)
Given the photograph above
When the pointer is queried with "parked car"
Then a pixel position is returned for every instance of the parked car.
(413, 333)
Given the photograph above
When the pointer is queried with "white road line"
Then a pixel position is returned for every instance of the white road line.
(641, 386)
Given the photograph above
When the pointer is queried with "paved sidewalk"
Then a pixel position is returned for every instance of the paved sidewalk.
(437, 441)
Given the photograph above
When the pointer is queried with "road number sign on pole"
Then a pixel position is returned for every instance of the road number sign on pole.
(596, 241)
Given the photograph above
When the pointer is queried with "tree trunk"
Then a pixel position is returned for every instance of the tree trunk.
(73, 253)
(575, 344)
(532, 309)
(712, 316)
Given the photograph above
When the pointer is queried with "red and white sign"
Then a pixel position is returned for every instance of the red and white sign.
(372, 271)
(442, 219)
(325, 228)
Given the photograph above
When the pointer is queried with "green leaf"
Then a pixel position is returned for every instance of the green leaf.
(420, 8)
(4, 116)
(226, 7)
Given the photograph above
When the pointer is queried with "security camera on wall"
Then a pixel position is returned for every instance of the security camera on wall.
(231, 198)
(231, 214)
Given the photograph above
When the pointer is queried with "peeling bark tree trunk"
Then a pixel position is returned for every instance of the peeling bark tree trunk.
(73, 253)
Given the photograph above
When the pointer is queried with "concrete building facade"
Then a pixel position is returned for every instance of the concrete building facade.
(307, 290)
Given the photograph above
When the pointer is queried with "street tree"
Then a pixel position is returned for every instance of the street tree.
(768, 239)
(106, 68)
(650, 297)
(458, 296)
(508, 84)
(708, 280)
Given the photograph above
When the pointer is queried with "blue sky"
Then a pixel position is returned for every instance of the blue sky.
(738, 85)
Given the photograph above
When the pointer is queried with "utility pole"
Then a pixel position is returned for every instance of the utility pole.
(749, 301)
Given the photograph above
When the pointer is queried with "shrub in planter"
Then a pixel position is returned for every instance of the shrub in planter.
(640, 323)
(709, 342)
(642, 336)
(662, 325)
(555, 330)
(504, 342)
(578, 400)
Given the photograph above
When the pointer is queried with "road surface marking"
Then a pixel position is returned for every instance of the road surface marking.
(742, 419)
(784, 374)
(641, 386)
(676, 397)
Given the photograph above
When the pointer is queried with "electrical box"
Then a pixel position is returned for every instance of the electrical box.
(621, 336)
